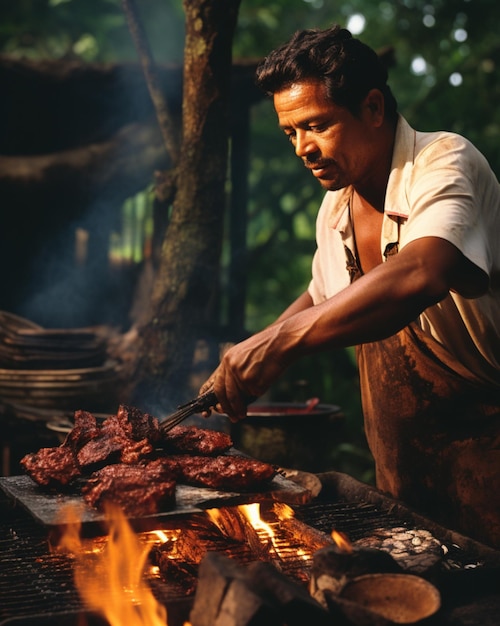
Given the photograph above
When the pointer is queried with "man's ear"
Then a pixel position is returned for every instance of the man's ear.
(374, 104)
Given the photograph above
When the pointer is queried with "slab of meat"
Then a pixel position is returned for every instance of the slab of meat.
(194, 440)
(226, 473)
(109, 448)
(127, 437)
(142, 489)
(83, 431)
(51, 466)
(136, 424)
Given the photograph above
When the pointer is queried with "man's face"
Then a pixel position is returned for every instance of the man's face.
(335, 145)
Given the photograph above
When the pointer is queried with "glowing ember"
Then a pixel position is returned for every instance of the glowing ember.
(283, 511)
(342, 542)
(216, 516)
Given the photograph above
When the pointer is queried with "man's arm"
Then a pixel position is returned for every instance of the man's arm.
(379, 304)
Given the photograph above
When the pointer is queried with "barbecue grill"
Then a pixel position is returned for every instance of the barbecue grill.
(36, 586)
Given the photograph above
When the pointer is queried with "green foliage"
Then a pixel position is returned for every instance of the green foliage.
(92, 30)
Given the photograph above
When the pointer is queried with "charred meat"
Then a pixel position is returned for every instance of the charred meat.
(136, 424)
(84, 430)
(227, 473)
(194, 440)
(142, 489)
(126, 437)
(51, 466)
(116, 457)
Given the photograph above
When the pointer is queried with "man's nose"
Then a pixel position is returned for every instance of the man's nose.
(304, 144)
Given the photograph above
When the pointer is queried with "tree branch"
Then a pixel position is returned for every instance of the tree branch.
(165, 119)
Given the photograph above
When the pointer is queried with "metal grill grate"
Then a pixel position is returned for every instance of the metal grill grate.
(356, 520)
(35, 582)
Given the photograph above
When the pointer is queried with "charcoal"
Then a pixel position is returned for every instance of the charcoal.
(338, 565)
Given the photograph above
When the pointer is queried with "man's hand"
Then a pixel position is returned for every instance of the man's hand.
(246, 372)
(248, 369)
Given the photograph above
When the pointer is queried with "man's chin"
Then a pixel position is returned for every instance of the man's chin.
(330, 185)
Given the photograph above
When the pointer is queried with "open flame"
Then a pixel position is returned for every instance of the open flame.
(111, 572)
(110, 576)
(342, 542)
(252, 513)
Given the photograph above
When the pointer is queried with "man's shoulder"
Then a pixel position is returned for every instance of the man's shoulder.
(437, 141)
(441, 141)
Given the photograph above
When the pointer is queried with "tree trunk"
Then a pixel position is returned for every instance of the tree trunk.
(185, 289)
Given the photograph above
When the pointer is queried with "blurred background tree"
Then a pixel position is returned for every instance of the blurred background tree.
(445, 76)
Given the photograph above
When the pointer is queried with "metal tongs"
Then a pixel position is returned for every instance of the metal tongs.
(198, 405)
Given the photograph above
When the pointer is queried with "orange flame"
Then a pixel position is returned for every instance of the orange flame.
(69, 521)
(252, 513)
(110, 579)
(341, 541)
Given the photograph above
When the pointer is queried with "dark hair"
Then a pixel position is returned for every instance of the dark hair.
(347, 67)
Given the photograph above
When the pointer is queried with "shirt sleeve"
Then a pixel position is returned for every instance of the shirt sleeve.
(449, 192)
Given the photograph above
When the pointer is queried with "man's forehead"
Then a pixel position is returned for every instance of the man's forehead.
(301, 101)
(311, 86)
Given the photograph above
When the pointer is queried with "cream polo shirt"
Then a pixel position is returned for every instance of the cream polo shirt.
(440, 185)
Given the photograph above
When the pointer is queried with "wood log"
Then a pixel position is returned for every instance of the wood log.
(295, 605)
(223, 597)
(230, 594)
(311, 537)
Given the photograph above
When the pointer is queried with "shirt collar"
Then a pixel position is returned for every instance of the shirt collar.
(396, 203)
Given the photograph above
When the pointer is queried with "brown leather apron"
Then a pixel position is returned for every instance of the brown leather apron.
(434, 431)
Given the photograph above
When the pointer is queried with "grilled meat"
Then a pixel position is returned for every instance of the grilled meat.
(136, 424)
(84, 430)
(228, 473)
(104, 450)
(126, 437)
(141, 489)
(194, 440)
(51, 466)
(118, 457)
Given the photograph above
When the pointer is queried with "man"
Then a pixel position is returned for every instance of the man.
(407, 269)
